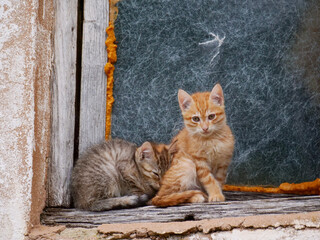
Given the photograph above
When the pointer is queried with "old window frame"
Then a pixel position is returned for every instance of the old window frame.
(78, 121)
(78, 91)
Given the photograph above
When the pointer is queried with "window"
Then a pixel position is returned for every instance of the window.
(263, 54)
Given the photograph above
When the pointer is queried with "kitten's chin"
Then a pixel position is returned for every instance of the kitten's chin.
(205, 134)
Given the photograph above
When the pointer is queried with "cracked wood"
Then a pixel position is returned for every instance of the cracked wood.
(237, 205)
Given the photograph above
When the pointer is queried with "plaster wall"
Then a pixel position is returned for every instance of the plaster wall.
(25, 63)
(287, 226)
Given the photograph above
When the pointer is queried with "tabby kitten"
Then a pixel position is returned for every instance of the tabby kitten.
(117, 174)
(205, 148)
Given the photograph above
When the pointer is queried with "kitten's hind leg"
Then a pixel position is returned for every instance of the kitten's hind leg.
(173, 199)
(118, 203)
(198, 198)
(179, 185)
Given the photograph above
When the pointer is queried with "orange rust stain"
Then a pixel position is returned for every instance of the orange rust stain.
(109, 67)
(306, 188)
(113, 10)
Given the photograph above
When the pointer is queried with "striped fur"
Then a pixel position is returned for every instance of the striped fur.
(204, 152)
(117, 174)
(174, 199)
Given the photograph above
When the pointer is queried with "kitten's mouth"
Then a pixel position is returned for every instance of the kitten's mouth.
(205, 132)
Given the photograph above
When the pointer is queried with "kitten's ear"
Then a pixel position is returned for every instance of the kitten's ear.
(185, 100)
(146, 151)
(216, 95)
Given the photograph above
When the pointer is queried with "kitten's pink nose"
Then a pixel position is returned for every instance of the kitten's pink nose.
(205, 129)
(204, 126)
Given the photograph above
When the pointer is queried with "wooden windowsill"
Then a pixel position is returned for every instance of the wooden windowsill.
(238, 204)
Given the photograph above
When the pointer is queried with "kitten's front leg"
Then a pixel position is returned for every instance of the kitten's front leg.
(210, 184)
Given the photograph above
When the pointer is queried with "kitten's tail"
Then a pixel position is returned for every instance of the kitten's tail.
(173, 199)
(118, 202)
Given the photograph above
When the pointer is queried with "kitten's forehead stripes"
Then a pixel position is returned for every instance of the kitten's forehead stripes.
(203, 104)
(162, 157)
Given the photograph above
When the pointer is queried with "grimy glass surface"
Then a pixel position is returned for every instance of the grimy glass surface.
(264, 53)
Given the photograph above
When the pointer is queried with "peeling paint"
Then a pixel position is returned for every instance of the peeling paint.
(17, 69)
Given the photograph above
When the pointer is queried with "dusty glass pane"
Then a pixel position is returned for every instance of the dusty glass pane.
(265, 54)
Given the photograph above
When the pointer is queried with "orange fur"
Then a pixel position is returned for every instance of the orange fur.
(204, 152)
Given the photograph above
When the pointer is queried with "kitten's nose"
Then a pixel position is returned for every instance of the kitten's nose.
(205, 129)
(204, 126)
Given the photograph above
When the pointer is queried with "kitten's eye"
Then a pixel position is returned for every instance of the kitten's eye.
(211, 116)
(155, 173)
(196, 119)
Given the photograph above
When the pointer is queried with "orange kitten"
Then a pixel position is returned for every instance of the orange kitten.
(205, 148)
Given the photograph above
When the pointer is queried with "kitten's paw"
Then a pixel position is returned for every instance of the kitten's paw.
(132, 200)
(143, 198)
(216, 198)
(198, 198)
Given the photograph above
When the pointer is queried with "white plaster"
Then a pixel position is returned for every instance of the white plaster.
(17, 55)
(301, 224)
(267, 234)
(6, 30)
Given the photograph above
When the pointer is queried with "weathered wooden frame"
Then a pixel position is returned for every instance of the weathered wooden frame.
(84, 81)
(72, 133)
(238, 204)
(93, 78)
(63, 102)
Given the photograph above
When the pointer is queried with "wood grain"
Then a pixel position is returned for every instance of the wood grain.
(63, 103)
(237, 205)
(93, 78)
